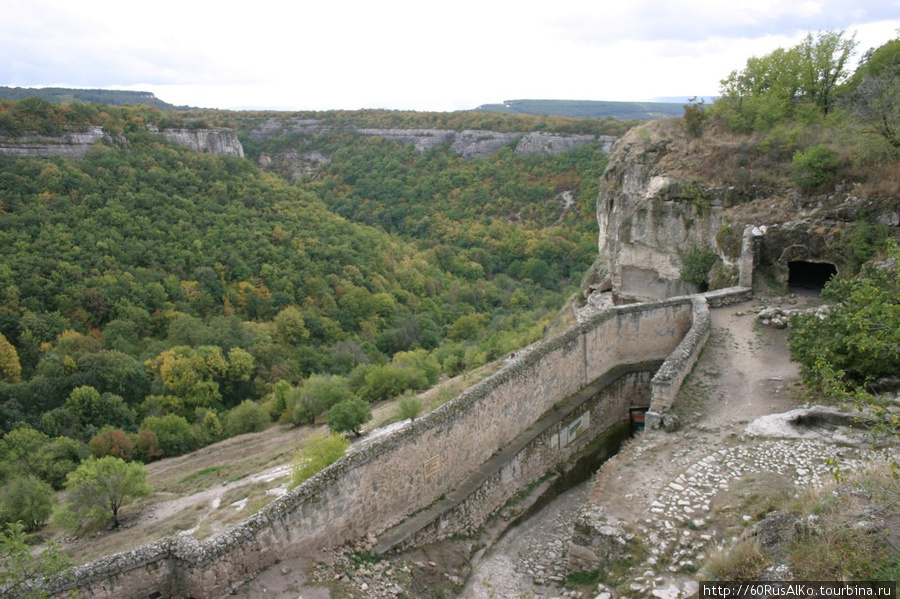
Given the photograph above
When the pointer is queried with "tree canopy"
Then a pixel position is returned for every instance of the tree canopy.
(151, 292)
(779, 85)
(100, 487)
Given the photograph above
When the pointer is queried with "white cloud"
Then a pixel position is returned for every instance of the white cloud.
(405, 54)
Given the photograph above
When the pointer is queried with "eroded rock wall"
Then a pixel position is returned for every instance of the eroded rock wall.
(468, 143)
(74, 145)
(665, 195)
(214, 140)
(648, 220)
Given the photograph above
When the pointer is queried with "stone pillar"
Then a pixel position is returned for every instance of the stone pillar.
(748, 250)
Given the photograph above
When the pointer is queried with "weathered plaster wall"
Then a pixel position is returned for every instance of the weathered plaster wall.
(377, 487)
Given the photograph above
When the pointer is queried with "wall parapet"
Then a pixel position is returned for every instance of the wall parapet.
(375, 488)
(668, 379)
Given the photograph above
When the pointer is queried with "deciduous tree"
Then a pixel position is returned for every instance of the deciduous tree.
(10, 369)
(349, 416)
(100, 487)
(28, 500)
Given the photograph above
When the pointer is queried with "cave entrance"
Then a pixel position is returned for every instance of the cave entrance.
(809, 276)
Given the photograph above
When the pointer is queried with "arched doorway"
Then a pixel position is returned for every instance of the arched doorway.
(805, 277)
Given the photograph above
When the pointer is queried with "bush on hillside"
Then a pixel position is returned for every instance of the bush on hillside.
(814, 167)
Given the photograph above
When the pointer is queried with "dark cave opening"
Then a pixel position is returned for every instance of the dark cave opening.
(809, 276)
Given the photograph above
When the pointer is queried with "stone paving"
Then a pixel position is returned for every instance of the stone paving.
(676, 529)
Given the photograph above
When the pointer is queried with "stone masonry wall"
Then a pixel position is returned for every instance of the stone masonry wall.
(602, 408)
(377, 487)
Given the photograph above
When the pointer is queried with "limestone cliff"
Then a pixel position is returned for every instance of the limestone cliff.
(75, 144)
(668, 202)
(213, 140)
(649, 218)
(466, 143)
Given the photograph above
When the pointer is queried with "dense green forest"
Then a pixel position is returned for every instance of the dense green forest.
(154, 300)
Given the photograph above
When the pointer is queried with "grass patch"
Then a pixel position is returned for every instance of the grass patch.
(200, 479)
(742, 561)
(847, 531)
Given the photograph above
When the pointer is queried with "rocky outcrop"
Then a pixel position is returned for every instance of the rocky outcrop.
(650, 220)
(73, 145)
(214, 140)
(468, 143)
(668, 205)
(552, 143)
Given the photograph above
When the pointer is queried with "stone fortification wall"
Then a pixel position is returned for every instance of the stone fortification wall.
(551, 445)
(670, 376)
(679, 364)
(373, 489)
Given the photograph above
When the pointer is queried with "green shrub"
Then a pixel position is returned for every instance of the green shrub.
(21, 567)
(696, 264)
(28, 500)
(814, 167)
(248, 417)
(173, 434)
(317, 452)
(695, 117)
(409, 407)
(349, 416)
(317, 395)
(858, 338)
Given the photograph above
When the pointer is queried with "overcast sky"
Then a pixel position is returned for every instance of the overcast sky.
(418, 55)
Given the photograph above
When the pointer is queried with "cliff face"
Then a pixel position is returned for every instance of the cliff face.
(215, 140)
(668, 203)
(649, 220)
(74, 145)
(466, 143)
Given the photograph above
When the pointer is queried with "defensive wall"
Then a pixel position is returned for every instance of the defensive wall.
(379, 487)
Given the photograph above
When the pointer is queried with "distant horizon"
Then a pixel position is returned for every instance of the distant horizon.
(660, 100)
(405, 55)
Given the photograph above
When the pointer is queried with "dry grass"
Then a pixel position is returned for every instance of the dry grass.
(754, 495)
(757, 166)
(849, 531)
(880, 181)
(742, 561)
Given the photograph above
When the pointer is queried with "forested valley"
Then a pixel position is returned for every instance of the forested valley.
(154, 300)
